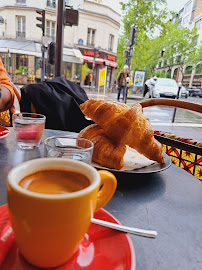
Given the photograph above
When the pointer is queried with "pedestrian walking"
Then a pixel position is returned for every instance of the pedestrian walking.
(149, 84)
(121, 81)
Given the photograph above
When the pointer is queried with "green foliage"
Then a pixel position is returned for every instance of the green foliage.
(196, 56)
(21, 70)
(150, 15)
(179, 43)
(84, 71)
(199, 69)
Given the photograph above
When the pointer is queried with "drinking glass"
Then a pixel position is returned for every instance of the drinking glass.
(69, 147)
(28, 129)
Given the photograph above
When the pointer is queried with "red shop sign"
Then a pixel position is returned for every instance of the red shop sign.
(111, 57)
(90, 53)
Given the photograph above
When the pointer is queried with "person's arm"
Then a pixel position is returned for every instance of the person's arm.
(6, 90)
(5, 98)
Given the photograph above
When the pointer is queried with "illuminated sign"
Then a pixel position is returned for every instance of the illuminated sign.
(111, 57)
(90, 53)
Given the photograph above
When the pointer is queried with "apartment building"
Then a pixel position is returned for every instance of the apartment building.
(20, 38)
(189, 16)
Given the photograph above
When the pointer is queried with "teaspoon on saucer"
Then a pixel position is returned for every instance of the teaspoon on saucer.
(136, 231)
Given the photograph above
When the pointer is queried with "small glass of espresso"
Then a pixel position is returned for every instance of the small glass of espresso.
(69, 147)
(28, 129)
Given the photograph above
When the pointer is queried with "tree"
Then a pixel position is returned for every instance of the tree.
(179, 43)
(196, 56)
(150, 16)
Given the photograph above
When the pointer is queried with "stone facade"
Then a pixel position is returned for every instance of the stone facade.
(189, 16)
(198, 8)
(96, 15)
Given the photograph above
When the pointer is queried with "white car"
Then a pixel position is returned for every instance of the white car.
(164, 87)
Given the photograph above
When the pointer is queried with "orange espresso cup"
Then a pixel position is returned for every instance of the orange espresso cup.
(49, 227)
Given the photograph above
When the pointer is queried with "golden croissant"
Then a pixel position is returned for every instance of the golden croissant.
(106, 152)
(126, 125)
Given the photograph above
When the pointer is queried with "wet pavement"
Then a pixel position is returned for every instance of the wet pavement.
(187, 123)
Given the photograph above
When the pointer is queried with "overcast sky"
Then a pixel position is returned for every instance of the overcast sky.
(176, 5)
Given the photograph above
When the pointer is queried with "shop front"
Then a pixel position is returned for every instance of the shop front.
(22, 60)
(186, 80)
(197, 81)
(102, 59)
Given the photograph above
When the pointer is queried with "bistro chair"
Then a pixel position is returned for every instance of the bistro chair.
(184, 152)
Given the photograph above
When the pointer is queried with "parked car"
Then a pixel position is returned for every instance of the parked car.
(194, 91)
(164, 87)
(184, 92)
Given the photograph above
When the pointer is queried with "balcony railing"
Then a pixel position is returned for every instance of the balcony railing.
(50, 4)
(20, 34)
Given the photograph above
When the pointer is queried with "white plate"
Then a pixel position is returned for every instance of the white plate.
(155, 167)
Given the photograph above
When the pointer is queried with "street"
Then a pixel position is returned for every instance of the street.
(161, 116)
(161, 119)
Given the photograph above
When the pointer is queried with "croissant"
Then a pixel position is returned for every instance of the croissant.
(126, 125)
(106, 152)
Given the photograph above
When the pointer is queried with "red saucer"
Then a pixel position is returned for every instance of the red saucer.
(3, 132)
(101, 248)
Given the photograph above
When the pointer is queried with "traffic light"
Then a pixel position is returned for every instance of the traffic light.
(41, 19)
(132, 36)
(125, 54)
(51, 53)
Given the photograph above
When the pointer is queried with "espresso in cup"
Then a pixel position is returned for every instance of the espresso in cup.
(51, 202)
(54, 182)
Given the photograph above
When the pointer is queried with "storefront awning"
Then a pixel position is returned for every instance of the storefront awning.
(21, 47)
(72, 56)
(111, 64)
(33, 48)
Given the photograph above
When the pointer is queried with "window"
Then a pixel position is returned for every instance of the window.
(188, 7)
(180, 14)
(198, 24)
(21, 1)
(20, 33)
(50, 29)
(21, 61)
(186, 19)
(91, 37)
(51, 3)
(111, 42)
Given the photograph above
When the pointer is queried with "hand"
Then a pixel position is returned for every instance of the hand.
(117, 86)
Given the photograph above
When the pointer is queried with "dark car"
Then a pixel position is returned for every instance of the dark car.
(195, 91)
